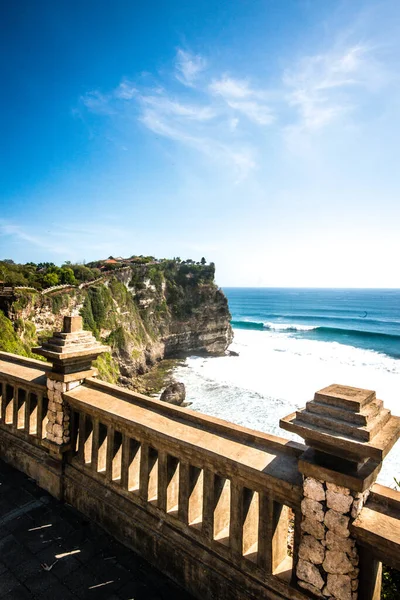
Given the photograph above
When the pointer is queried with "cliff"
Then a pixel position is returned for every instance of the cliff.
(145, 312)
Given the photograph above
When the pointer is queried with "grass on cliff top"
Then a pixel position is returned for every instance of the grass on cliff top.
(11, 342)
(107, 367)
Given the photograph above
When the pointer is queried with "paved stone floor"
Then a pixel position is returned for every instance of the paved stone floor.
(49, 550)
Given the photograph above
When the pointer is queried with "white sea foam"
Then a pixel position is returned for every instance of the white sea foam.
(275, 374)
(288, 327)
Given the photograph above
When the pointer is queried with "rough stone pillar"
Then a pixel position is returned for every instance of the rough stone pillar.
(348, 433)
(71, 351)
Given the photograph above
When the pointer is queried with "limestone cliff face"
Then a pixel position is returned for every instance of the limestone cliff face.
(145, 313)
(206, 331)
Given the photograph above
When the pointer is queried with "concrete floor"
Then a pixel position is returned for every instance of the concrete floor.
(49, 550)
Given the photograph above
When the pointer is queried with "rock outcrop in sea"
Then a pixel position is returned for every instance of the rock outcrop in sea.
(174, 393)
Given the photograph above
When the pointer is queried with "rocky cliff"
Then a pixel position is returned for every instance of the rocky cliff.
(144, 312)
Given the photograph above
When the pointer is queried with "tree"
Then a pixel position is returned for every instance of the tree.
(67, 276)
(51, 279)
(45, 265)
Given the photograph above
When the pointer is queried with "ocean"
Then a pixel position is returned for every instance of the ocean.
(293, 342)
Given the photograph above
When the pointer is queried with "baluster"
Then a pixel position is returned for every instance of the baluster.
(95, 445)
(153, 476)
(144, 472)
(251, 512)
(135, 453)
(183, 497)
(280, 534)
(82, 437)
(102, 449)
(73, 429)
(222, 510)
(2, 399)
(15, 408)
(148, 473)
(20, 408)
(43, 416)
(110, 452)
(3, 402)
(40, 431)
(273, 533)
(296, 536)
(208, 504)
(27, 416)
(162, 480)
(88, 440)
(116, 465)
(125, 462)
(174, 487)
(9, 404)
(196, 491)
(236, 519)
(265, 528)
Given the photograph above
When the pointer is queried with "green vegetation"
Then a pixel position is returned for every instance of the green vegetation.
(44, 275)
(96, 309)
(24, 298)
(117, 338)
(59, 301)
(107, 367)
(19, 340)
(123, 311)
(158, 377)
(390, 584)
(390, 576)
(47, 274)
(156, 277)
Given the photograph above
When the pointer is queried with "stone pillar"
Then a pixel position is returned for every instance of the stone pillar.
(348, 433)
(71, 351)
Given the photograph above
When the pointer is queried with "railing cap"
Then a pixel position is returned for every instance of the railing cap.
(346, 422)
(71, 350)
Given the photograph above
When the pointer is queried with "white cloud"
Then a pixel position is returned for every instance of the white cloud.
(321, 87)
(189, 111)
(239, 96)
(254, 111)
(227, 87)
(240, 158)
(212, 114)
(43, 241)
(98, 103)
(125, 91)
(188, 67)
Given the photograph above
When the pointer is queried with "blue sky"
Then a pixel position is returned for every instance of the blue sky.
(261, 134)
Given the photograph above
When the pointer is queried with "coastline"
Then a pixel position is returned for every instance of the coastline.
(276, 374)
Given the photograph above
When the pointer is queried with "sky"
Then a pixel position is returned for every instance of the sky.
(260, 134)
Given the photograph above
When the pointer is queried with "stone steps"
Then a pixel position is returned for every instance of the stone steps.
(346, 397)
(369, 411)
(364, 433)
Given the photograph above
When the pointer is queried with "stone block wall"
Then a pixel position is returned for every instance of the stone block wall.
(58, 413)
(328, 556)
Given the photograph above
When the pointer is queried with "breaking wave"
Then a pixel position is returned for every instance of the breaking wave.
(326, 331)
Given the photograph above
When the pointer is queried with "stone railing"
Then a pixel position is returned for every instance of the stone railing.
(23, 396)
(231, 491)
(227, 512)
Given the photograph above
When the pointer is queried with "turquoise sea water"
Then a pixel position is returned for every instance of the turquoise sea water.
(368, 319)
(293, 342)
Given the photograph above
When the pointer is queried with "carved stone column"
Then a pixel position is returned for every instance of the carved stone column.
(71, 351)
(349, 433)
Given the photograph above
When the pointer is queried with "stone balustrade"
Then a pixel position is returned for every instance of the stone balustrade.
(23, 398)
(227, 512)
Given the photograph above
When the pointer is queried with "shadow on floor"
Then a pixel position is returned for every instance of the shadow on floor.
(49, 550)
